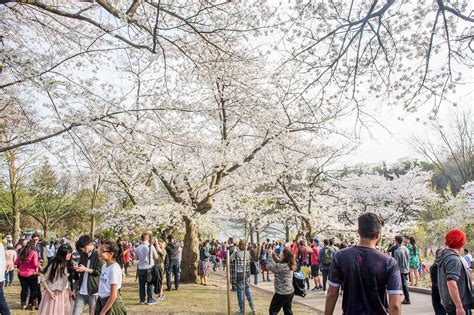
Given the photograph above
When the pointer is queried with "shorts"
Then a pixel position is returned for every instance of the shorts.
(315, 270)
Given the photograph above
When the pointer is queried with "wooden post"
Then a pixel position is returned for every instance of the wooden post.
(227, 268)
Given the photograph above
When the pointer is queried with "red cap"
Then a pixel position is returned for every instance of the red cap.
(456, 239)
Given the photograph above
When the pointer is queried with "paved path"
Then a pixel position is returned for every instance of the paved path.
(420, 303)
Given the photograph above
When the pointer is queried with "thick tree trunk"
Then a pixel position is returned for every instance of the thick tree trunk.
(45, 232)
(189, 262)
(306, 230)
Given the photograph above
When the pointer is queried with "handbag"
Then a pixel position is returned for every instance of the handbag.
(254, 268)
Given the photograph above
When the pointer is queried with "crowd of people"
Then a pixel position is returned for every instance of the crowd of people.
(87, 272)
(64, 277)
(365, 272)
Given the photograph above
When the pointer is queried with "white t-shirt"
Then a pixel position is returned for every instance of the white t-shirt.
(50, 251)
(110, 275)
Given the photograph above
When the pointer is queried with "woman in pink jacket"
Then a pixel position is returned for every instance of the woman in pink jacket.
(10, 256)
(28, 270)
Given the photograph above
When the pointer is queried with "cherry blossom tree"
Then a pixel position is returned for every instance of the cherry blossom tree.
(463, 207)
(63, 54)
(396, 201)
(174, 107)
(408, 53)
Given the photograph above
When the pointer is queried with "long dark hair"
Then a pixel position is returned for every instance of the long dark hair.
(26, 251)
(59, 263)
(413, 243)
(120, 259)
(289, 258)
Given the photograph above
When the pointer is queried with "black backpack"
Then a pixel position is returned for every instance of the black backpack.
(298, 283)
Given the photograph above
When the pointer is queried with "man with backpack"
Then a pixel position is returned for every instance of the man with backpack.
(326, 255)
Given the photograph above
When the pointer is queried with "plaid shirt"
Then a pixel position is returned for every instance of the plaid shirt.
(237, 266)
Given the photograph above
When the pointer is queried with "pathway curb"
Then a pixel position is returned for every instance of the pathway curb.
(319, 311)
(420, 290)
(294, 301)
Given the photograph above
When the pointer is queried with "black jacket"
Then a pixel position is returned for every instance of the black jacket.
(93, 278)
(172, 252)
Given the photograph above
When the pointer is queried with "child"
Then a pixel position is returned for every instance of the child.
(58, 299)
(109, 301)
(306, 271)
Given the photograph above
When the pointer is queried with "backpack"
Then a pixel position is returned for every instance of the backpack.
(298, 283)
(328, 256)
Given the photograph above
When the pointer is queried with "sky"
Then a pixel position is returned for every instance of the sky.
(391, 142)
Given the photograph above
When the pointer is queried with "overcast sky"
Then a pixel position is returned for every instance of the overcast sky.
(392, 146)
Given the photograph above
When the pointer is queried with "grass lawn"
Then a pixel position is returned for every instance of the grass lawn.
(189, 299)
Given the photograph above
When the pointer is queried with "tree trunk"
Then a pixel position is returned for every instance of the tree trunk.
(258, 236)
(15, 203)
(287, 231)
(189, 262)
(251, 235)
(16, 222)
(306, 231)
(92, 225)
(45, 232)
(95, 191)
(45, 237)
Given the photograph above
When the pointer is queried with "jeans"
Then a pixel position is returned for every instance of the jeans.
(240, 294)
(325, 277)
(142, 283)
(9, 277)
(279, 301)
(3, 303)
(214, 262)
(255, 279)
(406, 293)
(81, 301)
(172, 268)
(28, 283)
